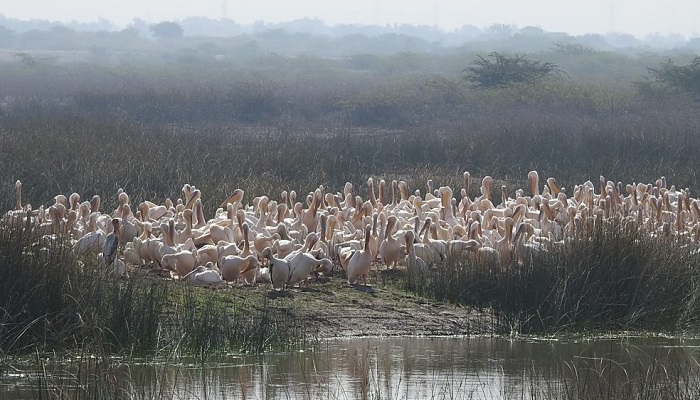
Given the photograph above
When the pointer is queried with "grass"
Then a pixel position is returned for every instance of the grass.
(616, 279)
(52, 302)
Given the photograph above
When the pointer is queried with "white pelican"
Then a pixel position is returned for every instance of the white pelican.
(411, 259)
(18, 195)
(279, 269)
(390, 248)
(206, 275)
(533, 180)
(301, 266)
(360, 262)
(182, 262)
(231, 267)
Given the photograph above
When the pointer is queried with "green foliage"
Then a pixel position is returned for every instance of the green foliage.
(167, 30)
(685, 78)
(502, 70)
(573, 49)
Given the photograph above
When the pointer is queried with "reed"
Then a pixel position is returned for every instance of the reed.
(618, 278)
(51, 301)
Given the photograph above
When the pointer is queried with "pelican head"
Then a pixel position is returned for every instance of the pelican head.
(533, 180)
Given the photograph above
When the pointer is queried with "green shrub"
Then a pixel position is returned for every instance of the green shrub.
(502, 70)
(684, 78)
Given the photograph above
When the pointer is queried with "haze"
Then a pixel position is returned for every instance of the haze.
(636, 17)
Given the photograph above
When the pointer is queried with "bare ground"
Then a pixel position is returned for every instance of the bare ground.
(336, 309)
(331, 308)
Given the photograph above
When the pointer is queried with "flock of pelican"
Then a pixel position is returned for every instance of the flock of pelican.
(288, 242)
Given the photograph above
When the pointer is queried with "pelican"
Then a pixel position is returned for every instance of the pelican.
(411, 260)
(18, 195)
(361, 261)
(232, 267)
(390, 248)
(533, 180)
(203, 274)
(278, 269)
(302, 265)
(182, 262)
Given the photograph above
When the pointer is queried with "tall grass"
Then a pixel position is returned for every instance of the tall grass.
(49, 301)
(92, 154)
(616, 279)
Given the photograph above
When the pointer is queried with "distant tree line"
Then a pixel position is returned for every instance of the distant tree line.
(524, 39)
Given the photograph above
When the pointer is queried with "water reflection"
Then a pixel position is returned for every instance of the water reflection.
(406, 368)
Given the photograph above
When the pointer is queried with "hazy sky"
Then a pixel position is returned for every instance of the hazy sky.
(638, 17)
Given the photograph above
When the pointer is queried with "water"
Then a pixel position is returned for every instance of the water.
(391, 368)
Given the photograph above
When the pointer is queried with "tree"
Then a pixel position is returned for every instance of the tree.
(6, 36)
(685, 78)
(503, 70)
(167, 30)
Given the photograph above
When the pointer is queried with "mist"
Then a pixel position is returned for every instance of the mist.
(638, 18)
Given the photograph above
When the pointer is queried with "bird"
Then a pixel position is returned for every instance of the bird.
(203, 274)
(361, 261)
(182, 262)
(92, 240)
(390, 248)
(278, 269)
(232, 266)
(110, 248)
(302, 265)
(412, 261)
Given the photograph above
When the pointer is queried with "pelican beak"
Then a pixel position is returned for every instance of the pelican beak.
(444, 200)
(233, 198)
(195, 195)
(552, 183)
(533, 181)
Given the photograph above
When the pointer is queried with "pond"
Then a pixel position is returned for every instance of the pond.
(391, 368)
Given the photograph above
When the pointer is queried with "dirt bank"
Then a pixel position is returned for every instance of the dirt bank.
(333, 308)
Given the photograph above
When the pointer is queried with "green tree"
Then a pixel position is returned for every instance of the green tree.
(685, 78)
(7, 36)
(167, 30)
(504, 70)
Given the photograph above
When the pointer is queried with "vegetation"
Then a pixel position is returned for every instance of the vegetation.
(167, 30)
(619, 280)
(149, 129)
(504, 70)
(52, 302)
(684, 78)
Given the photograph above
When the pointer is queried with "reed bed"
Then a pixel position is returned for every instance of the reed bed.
(617, 278)
(51, 301)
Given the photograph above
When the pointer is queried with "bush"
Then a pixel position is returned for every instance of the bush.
(685, 78)
(504, 70)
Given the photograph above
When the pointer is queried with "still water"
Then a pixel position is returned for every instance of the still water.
(388, 368)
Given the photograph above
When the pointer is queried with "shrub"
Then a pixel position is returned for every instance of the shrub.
(502, 70)
(685, 78)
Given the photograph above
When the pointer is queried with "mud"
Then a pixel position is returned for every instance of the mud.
(336, 309)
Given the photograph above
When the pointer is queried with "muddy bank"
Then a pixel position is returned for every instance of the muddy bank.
(334, 309)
